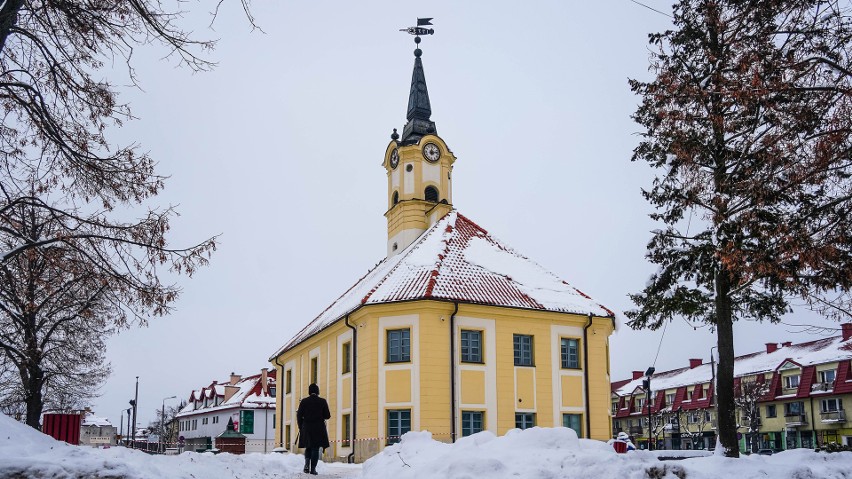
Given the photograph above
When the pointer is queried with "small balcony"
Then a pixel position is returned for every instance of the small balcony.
(832, 417)
(637, 430)
(746, 422)
(817, 387)
(793, 420)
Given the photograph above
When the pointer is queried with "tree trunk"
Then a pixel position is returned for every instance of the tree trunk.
(725, 408)
(34, 398)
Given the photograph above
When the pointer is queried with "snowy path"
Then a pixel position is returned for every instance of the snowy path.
(349, 471)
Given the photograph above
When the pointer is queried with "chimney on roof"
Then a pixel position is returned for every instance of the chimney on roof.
(235, 378)
(787, 344)
(847, 330)
(264, 382)
(695, 362)
(638, 374)
(230, 390)
(771, 347)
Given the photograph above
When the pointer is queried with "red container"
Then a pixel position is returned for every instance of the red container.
(62, 427)
(620, 447)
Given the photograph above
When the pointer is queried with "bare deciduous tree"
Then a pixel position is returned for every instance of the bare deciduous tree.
(747, 398)
(71, 273)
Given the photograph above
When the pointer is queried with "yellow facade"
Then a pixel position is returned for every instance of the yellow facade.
(409, 175)
(495, 386)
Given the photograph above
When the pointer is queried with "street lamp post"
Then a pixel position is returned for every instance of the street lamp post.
(647, 385)
(135, 402)
(163, 421)
(127, 442)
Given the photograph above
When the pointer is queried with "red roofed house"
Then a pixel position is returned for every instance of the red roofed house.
(788, 396)
(248, 401)
(453, 332)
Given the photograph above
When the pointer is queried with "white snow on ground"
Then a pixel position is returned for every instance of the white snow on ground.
(545, 453)
(537, 453)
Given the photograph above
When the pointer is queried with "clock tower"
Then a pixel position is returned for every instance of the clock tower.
(419, 167)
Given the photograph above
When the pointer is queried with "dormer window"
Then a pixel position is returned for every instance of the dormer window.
(431, 194)
(827, 376)
(791, 382)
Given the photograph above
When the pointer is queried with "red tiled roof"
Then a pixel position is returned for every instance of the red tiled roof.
(457, 260)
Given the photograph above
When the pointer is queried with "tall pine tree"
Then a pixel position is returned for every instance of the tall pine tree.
(748, 120)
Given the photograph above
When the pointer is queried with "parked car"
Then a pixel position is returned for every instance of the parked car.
(765, 452)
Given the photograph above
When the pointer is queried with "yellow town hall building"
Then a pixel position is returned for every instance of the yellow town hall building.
(453, 332)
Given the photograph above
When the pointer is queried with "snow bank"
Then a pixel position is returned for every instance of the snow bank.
(27, 453)
(536, 453)
(532, 453)
(557, 453)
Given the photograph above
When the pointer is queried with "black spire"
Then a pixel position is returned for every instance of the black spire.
(419, 109)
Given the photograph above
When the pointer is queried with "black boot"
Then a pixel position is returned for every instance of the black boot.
(307, 468)
(314, 466)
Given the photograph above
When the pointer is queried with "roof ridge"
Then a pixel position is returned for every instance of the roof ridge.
(405, 253)
(433, 275)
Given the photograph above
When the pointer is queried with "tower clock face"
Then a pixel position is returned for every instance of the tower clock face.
(394, 159)
(431, 152)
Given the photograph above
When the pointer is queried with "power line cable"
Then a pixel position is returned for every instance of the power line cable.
(660, 346)
(651, 8)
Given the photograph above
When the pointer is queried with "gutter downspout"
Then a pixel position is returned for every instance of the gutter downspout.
(351, 457)
(453, 372)
(279, 392)
(586, 371)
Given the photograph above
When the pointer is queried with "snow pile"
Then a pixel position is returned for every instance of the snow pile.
(545, 453)
(27, 453)
(536, 453)
(531, 453)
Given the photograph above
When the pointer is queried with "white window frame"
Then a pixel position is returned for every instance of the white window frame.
(789, 380)
(823, 374)
(838, 405)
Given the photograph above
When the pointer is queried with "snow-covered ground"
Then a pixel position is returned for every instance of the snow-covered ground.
(539, 453)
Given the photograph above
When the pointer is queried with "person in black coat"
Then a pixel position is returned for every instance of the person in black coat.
(311, 416)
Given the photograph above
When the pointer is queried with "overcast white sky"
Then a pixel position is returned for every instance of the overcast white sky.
(279, 149)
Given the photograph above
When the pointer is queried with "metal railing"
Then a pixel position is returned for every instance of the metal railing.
(795, 419)
(833, 416)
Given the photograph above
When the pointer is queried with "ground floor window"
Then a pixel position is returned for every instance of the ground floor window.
(346, 425)
(247, 422)
(287, 442)
(573, 421)
(807, 440)
(524, 420)
(471, 422)
(399, 423)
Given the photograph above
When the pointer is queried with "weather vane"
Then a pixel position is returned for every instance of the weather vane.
(419, 30)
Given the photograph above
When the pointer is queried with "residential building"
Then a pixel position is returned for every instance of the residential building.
(453, 332)
(96, 431)
(788, 396)
(247, 401)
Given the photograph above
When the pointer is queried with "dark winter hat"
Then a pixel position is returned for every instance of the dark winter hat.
(313, 389)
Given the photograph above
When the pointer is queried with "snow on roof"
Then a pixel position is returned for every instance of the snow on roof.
(92, 420)
(810, 353)
(249, 395)
(457, 260)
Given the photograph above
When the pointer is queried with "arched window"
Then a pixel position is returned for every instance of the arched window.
(395, 197)
(431, 194)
